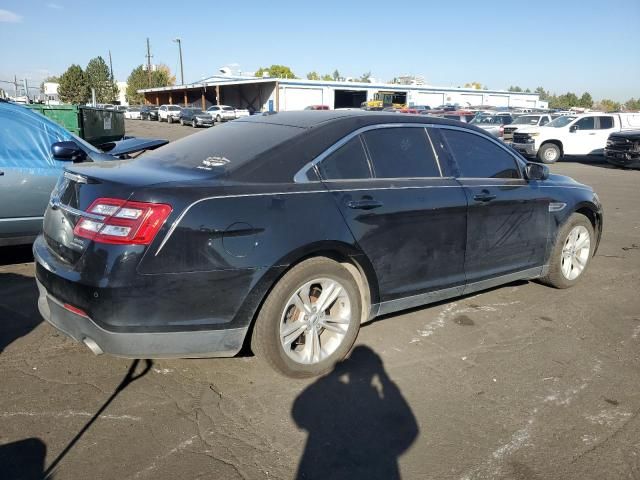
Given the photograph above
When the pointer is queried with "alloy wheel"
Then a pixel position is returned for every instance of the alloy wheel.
(575, 253)
(315, 321)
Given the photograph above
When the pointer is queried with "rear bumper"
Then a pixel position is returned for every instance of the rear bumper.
(207, 343)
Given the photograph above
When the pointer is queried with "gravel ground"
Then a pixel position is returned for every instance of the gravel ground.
(519, 382)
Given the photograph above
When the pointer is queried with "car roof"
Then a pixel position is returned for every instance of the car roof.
(349, 119)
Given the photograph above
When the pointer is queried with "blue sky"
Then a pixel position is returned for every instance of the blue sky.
(563, 45)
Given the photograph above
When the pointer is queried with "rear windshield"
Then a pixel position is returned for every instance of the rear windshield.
(222, 149)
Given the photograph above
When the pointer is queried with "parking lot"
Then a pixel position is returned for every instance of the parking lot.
(519, 382)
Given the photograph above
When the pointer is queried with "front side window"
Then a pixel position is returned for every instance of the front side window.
(401, 152)
(544, 121)
(478, 157)
(349, 162)
(586, 123)
(605, 123)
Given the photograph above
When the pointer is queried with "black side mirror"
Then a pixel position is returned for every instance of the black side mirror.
(536, 171)
(68, 151)
(573, 128)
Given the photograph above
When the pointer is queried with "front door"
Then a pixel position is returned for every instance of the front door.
(28, 173)
(584, 137)
(408, 219)
(508, 216)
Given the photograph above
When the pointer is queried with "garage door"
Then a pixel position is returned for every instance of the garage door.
(471, 99)
(498, 100)
(424, 98)
(299, 98)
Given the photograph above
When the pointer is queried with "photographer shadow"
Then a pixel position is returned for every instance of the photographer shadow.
(357, 420)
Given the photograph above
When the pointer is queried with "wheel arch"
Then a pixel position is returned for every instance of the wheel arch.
(556, 142)
(354, 260)
(594, 215)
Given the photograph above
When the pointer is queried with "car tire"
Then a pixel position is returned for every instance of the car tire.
(301, 358)
(549, 153)
(218, 118)
(169, 119)
(570, 256)
(182, 122)
(194, 124)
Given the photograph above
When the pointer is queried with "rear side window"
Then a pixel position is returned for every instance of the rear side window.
(605, 122)
(348, 162)
(478, 157)
(401, 153)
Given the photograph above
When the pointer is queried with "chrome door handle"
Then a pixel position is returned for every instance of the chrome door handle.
(364, 204)
(484, 197)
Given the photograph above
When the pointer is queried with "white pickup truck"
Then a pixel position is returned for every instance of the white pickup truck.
(584, 134)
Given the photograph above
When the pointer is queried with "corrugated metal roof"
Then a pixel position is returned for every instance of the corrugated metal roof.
(236, 80)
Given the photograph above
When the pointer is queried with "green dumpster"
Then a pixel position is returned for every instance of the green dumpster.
(95, 125)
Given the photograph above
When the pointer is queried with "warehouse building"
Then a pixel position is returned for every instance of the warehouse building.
(279, 94)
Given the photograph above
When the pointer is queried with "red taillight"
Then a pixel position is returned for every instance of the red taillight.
(76, 310)
(129, 223)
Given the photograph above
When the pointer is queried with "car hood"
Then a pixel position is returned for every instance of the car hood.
(628, 134)
(528, 128)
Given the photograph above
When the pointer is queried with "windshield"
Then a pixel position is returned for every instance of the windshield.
(561, 121)
(527, 120)
(486, 120)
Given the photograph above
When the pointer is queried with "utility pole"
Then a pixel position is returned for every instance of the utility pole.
(179, 42)
(110, 65)
(15, 86)
(148, 63)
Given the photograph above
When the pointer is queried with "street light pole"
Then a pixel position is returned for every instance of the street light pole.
(179, 42)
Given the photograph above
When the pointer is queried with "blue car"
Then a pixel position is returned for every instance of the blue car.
(33, 152)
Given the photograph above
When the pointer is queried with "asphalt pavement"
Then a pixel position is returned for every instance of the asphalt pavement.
(519, 382)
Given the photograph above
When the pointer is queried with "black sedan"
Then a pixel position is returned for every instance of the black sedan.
(288, 231)
(149, 112)
(195, 117)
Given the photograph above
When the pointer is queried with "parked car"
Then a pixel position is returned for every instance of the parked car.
(169, 113)
(416, 109)
(584, 134)
(221, 113)
(623, 149)
(33, 153)
(535, 120)
(296, 227)
(132, 113)
(460, 116)
(241, 112)
(494, 123)
(149, 112)
(195, 117)
(317, 107)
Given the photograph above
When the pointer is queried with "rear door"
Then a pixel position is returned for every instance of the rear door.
(507, 219)
(28, 172)
(404, 210)
(605, 126)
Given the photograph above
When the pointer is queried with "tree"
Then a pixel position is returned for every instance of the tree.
(632, 104)
(365, 78)
(165, 75)
(607, 105)
(276, 71)
(326, 77)
(515, 89)
(336, 75)
(564, 101)
(139, 79)
(585, 100)
(313, 76)
(542, 93)
(476, 85)
(99, 78)
(73, 86)
(528, 90)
